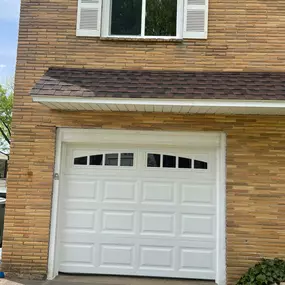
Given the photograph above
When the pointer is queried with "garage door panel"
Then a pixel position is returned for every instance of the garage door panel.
(118, 222)
(83, 205)
(70, 236)
(158, 192)
(82, 189)
(197, 225)
(117, 256)
(153, 223)
(78, 253)
(201, 194)
(120, 191)
(80, 220)
(182, 176)
(195, 274)
(198, 210)
(78, 236)
(139, 221)
(197, 259)
(178, 242)
(156, 257)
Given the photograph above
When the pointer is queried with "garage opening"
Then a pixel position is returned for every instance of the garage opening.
(151, 208)
(146, 212)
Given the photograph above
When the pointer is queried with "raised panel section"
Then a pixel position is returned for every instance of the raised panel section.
(193, 259)
(202, 194)
(161, 258)
(158, 192)
(197, 225)
(119, 191)
(77, 253)
(117, 256)
(157, 224)
(81, 189)
(80, 220)
(118, 222)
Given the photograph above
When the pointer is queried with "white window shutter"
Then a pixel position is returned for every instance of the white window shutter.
(89, 18)
(195, 19)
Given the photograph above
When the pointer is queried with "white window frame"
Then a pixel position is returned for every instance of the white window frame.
(106, 22)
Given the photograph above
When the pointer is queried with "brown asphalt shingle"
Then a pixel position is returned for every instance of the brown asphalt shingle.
(75, 82)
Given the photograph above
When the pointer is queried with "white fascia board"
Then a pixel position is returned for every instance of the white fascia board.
(165, 102)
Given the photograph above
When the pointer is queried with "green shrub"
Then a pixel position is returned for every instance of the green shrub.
(266, 272)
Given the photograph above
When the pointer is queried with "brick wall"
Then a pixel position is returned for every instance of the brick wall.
(255, 181)
(243, 35)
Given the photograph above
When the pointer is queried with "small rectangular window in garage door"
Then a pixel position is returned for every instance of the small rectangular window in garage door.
(105, 159)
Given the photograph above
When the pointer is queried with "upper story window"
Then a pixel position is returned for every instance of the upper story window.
(143, 18)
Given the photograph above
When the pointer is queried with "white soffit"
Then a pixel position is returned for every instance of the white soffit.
(191, 106)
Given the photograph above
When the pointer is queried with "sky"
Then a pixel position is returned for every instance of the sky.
(9, 21)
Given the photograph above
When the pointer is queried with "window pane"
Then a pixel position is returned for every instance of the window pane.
(169, 161)
(200, 164)
(3, 169)
(96, 159)
(184, 162)
(126, 17)
(111, 159)
(80, 160)
(127, 159)
(160, 17)
(153, 160)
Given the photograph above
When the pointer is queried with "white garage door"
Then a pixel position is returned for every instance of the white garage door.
(139, 211)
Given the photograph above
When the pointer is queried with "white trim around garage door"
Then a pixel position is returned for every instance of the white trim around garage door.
(67, 135)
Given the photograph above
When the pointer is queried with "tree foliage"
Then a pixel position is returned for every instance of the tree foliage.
(161, 18)
(266, 272)
(6, 105)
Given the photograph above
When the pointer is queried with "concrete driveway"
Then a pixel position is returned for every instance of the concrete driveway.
(105, 280)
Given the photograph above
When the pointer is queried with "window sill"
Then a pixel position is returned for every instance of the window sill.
(141, 39)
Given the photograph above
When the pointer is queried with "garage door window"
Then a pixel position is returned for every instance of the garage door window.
(111, 159)
(170, 161)
(153, 160)
(198, 164)
(80, 160)
(184, 162)
(96, 159)
(108, 159)
(127, 159)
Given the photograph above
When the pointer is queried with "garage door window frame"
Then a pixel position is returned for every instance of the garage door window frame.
(189, 139)
(103, 162)
(192, 162)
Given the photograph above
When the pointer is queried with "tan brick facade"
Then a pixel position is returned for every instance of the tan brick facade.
(245, 35)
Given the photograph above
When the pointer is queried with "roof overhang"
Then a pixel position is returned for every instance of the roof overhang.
(185, 106)
(79, 89)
